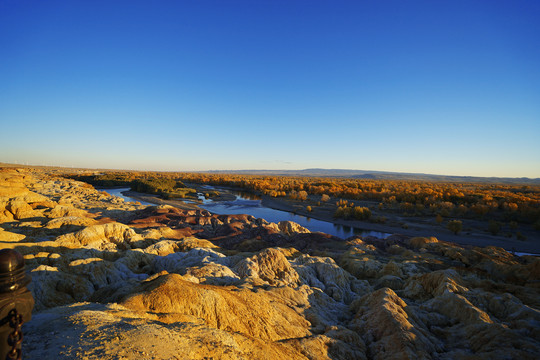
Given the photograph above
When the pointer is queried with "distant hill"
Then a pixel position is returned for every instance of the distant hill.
(316, 172)
(382, 175)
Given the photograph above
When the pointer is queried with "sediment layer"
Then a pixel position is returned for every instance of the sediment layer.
(120, 280)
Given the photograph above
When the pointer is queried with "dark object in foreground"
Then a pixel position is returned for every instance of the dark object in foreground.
(16, 303)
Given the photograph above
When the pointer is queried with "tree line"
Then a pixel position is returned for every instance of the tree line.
(496, 202)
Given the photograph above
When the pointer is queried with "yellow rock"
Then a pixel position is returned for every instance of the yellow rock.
(219, 307)
(420, 242)
(390, 332)
(8, 236)
(269, 265)
(20, 209)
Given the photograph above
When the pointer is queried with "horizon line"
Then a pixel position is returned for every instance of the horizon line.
(360, 171)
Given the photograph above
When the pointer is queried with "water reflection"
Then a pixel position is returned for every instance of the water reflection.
(250, 204)
(246, 196)
(118, 192)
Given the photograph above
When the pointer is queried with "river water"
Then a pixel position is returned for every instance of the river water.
(252, 206)
(118, 192)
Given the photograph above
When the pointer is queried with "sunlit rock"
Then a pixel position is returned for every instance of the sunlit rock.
(179, 262)
(360, 265)
(421, 242)
(20, 209)
(325, 274)
(219, 308)
(70, 221)
(388, 329)
(163, 248)
(111, 331)
(190, 243)
(103, 237)
(269, 265)
(232, 286)
(289, 228)
(60, 211)
(434, 284)
(51, 287)
(11, 237)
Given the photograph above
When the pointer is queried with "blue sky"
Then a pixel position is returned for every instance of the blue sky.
(444, 87)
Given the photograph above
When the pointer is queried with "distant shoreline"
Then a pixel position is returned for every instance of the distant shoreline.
(319, 172)
(155, 199)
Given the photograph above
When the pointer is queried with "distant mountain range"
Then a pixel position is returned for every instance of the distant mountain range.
(382, 175)
(344, 173)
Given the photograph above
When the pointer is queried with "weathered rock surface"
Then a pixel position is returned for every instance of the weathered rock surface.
(220, 307)
(117, 280)
(270, 266)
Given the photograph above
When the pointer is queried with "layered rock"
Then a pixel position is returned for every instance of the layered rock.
(270, 266)
(110, 277)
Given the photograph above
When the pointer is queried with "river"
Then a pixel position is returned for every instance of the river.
(118, 192)
(252, 206)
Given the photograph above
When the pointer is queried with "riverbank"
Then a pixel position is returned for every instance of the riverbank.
(155, 199)
(413, 229)
(324, 212)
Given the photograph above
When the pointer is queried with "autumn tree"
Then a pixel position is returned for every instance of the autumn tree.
(361, 213)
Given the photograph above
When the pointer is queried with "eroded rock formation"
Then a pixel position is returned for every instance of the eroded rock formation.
(121, 280)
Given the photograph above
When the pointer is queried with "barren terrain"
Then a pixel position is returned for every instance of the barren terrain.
(116, 280)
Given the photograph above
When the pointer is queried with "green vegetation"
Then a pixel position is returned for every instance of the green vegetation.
(105, 180)
(166, 187)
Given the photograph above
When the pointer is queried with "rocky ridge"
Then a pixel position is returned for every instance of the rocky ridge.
(116, 280)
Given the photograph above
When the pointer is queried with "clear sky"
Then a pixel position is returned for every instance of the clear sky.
(443, 87)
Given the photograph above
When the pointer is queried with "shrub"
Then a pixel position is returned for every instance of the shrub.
(361, 213)
(455, 226)
(340, 211)
(494, 227)
(381, 219)
(342, 203)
